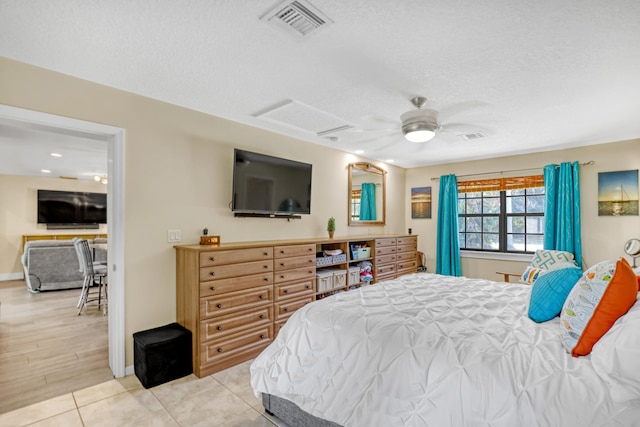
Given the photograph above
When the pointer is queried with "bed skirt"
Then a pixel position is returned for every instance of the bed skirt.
(291, 414)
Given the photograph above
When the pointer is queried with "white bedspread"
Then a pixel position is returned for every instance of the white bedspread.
(430, 350)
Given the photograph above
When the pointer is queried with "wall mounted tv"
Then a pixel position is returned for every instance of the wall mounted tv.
(270, 186)
(71, 209)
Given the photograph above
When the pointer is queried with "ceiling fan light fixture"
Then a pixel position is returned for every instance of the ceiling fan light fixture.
(418, 135)
(419, 125)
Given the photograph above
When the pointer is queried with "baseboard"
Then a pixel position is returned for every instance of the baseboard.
(11, 276)
(128, 370)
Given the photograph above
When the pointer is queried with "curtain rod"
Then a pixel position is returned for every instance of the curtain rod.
(437, 178)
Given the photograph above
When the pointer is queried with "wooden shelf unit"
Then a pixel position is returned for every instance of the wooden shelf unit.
(235, 297)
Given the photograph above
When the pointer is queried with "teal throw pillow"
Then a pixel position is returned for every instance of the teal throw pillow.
(550, 291)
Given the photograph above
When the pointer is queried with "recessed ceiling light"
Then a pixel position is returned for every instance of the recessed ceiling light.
(390, 160)
(359, 151)
(55, 155)
(45, 171)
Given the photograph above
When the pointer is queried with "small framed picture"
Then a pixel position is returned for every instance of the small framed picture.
(618, 193)
(421, 202)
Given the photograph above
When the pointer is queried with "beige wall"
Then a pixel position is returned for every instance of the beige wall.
(178, 176)
(18, 215)
(603, 237)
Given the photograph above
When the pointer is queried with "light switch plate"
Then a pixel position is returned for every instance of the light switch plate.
(174, 236)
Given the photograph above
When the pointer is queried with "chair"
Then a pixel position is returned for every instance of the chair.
(94, 275)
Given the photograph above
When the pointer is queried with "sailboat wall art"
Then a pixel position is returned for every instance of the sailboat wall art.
(618, 193)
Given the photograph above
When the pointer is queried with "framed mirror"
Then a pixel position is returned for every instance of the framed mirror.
(367, 194)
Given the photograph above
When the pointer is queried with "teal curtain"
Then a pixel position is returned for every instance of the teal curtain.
(368, 202)
(448, 248)
(562, 210)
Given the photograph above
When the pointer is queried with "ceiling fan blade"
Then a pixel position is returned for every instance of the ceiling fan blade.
(395, 141)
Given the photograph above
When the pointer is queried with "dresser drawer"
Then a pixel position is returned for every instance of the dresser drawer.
(284, 309)
(382, 270)
(234, 345)
(385, 259)
(407, 248)
(294, 290)
(293, 250)
(404, 256)
(225, 325)
(208, 259)
(222, 286)
(295, 274)
(219, 305)
(413, 240)
(390, 241)
(235, 270)
(385, 250)
(294, 262)
(410, 265)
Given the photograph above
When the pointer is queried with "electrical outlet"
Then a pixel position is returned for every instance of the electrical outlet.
(174, 236)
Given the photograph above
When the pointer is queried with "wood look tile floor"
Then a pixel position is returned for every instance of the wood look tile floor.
(54, 372)
(46, 349)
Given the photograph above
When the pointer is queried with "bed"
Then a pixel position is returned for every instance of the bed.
(431, 350)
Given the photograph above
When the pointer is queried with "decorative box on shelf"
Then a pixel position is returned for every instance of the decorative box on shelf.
(330, 260)
(210, 240)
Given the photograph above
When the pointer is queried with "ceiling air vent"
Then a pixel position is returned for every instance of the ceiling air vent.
(297, 18)
(473, 136)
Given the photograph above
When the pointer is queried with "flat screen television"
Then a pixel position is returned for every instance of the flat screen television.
(267, 185)
(71, 208)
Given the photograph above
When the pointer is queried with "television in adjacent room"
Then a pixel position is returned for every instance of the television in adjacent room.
(270, 186)
(71, 208)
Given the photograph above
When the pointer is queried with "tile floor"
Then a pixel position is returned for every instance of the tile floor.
(224, 399)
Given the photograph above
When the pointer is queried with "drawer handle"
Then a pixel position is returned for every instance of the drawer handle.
(282, 264)
(213, 273)
(266, 267)
(266, 279)
(261, 296)
(266, 254)
(261, 336)
(219, 328)
(281, 251)
(282, 277)
(286, 291)
(308, 286)
(219, 305)
(286, 309)
(262, 316)
(219, 349)
(212, 258)
(212, 288)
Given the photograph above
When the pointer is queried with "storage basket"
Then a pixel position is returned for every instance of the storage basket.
(324, 280)
(330, 260)
(339, 279)
(354, 276)
(361, 253)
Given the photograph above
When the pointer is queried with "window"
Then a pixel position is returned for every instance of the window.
(355, 205)
(501, 215)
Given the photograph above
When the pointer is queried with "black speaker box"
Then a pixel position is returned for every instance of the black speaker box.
(162, 354)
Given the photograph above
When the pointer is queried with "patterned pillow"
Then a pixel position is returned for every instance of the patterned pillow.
(530, 275)
(605, 292)
(550, 292)
(545, 259)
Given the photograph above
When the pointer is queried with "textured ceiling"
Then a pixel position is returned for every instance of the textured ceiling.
(531, 76)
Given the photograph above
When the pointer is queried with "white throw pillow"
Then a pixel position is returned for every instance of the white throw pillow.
(616, 356)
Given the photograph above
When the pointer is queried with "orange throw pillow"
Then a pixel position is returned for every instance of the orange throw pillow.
(605, 292)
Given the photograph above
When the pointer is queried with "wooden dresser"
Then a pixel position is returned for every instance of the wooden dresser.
(235, 297)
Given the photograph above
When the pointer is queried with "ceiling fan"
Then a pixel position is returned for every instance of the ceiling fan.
(419, 125)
